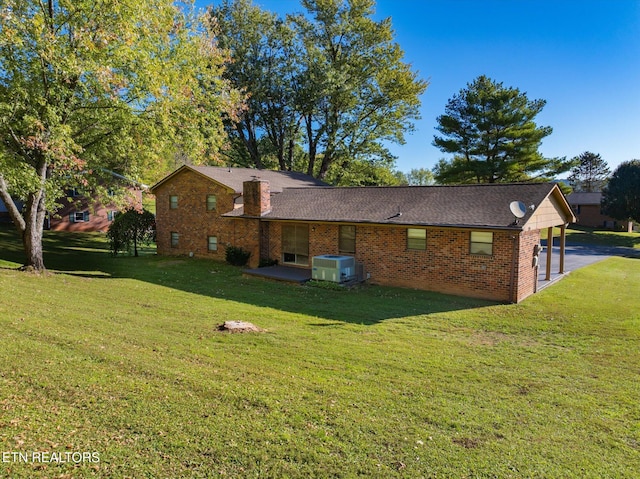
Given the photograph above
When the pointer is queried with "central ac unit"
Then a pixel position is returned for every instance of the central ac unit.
(329, 267)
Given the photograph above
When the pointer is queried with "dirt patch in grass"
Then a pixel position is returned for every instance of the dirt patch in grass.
(239, 327)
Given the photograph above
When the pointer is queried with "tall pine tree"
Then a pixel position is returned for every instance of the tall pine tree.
(590, 172)
(491, 132)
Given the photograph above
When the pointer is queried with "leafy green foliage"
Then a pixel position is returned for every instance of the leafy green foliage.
(621, 196)
(237, 256)
(86, 88)
(491, 133)
(420, 177)
(130, 229)
(330, 80)
(590, 172)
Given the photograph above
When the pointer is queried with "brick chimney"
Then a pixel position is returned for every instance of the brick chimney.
(257, 197)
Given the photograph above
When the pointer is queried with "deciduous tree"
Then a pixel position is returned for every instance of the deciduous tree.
(330, 80)
(621, 195)
(360, 95)
(420, 177)
(90, 86)
(491, 133)
(130, 229)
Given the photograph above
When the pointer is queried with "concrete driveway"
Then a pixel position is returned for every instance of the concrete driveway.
(577, 256)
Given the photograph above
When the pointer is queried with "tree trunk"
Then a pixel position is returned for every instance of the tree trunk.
(312, 146)
(32, 241)
(30, 225)
(34, 216)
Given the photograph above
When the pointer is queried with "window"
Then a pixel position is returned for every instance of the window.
(79, 217)
(417, 238)
(174, 239)
(213, 243)
(347, 239)
(173, 202)
(212, 202)
(111, 215)
(481, 242)
(295, 244)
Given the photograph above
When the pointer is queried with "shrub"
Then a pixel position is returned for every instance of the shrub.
(237, 256)
(131, 228)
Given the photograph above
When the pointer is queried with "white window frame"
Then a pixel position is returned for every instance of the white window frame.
(79, 217)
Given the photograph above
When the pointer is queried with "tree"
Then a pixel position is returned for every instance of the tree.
(86, 88)
(621, 195)
(131, 228)
(492, 134)
(420, 177)
(262, 63)
(590, 172)
(359, 95)
(331, 81)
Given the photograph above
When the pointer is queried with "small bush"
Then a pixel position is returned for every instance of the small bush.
(237, 256)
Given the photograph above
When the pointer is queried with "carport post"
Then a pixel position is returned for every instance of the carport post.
(563, 230)
(549, 249)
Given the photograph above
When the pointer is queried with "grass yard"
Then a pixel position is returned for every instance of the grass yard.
(120, 359)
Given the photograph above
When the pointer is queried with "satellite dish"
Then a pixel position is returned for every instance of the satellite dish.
(518, 208)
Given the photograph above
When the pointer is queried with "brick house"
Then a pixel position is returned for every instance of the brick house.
(81, 212)
(461, 240)
(191, 202)
(587, 209)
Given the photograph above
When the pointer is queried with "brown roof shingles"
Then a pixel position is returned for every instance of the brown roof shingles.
(278, 180)
(485, 205)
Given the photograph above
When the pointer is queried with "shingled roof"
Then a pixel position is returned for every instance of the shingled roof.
(234, 177)
(485, 205)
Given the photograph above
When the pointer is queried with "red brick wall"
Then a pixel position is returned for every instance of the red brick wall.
(591, 216)
(526, 271)
(445, 266)
(98, 213)
(191, 219)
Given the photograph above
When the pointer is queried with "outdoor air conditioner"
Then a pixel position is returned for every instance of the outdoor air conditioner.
(329, 267)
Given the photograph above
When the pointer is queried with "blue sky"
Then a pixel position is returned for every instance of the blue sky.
(581, 56)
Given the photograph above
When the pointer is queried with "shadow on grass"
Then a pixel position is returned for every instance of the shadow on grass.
(86, 255)
(590, 236)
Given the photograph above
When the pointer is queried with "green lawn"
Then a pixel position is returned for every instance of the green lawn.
(592, 236)
(121, 357)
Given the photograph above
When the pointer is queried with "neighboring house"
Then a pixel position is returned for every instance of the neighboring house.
(587, 209)
(460, 240)
(86, 213)
(79, 212)
(4, 213)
